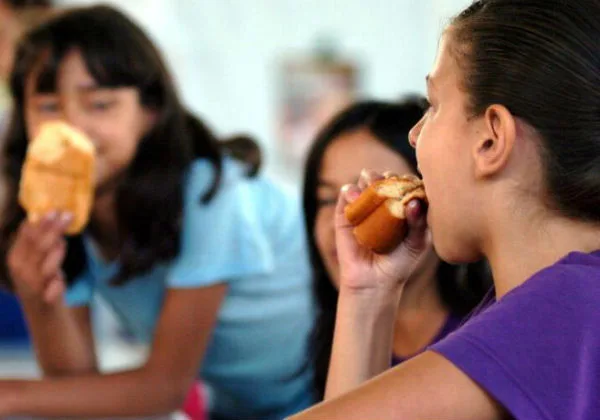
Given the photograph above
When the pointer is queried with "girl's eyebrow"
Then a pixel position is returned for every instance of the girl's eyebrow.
(88, 87)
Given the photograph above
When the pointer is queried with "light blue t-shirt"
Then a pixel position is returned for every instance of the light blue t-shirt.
(251, 236)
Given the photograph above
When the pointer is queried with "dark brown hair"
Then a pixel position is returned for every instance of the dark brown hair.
(541, 60)
(22, 4)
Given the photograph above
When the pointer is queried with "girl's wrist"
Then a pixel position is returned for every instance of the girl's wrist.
(36, 302)
(372, 299)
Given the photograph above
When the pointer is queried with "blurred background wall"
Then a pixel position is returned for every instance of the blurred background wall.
(227, 54)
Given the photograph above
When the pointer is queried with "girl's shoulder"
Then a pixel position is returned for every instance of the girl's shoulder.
(241, 230)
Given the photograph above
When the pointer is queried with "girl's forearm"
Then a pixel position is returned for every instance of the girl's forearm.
(61, 346)
(133, 393)
(363, 339)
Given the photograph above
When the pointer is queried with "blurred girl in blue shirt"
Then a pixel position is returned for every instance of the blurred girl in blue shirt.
(194, 257)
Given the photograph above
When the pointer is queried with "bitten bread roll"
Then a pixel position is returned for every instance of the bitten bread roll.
(58, 175)
(378, 213)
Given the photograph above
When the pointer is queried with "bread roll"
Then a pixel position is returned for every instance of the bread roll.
(378, 214)
(58, 175)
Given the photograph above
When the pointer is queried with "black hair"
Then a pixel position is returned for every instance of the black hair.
(149, 193)
(461, 287)
(24, 4)
(541, 60)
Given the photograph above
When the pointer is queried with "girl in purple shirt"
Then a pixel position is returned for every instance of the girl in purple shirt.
(509, 151)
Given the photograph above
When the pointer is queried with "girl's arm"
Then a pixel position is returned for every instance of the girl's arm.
(425, 387)
(62, 337)
(160, 386)
(362, 344)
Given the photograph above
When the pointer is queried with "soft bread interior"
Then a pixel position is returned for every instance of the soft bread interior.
(395, 207)
(398, 187)
(55, 138)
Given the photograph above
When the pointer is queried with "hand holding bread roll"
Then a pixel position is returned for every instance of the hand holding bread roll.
(58, 175)
(378, 214)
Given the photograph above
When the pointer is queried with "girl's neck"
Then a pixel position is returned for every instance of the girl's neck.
(524, 243)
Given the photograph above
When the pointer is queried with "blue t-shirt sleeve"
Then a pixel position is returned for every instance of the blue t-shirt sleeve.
(80, 292)
(222, 240)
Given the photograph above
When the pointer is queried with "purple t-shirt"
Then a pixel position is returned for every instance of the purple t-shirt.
(537, 349)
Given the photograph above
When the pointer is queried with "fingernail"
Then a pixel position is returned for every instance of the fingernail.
(345, 188)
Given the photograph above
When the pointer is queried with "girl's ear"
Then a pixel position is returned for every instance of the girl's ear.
(492, 152)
